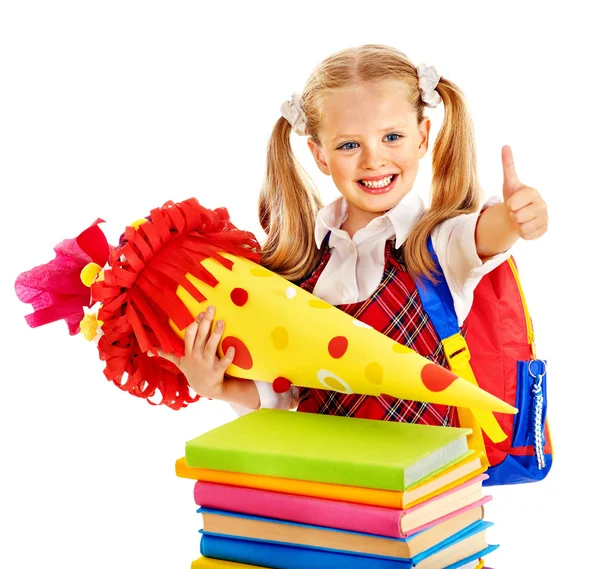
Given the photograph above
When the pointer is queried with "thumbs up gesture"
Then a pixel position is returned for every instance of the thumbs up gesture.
(526, 208)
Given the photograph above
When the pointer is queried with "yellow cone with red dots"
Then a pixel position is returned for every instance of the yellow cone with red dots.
(283, 334)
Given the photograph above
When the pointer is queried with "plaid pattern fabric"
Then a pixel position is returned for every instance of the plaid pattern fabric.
(394, 309)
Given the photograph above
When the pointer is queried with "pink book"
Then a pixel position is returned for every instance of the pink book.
(364, 518)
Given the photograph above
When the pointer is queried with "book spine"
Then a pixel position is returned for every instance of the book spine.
(301, 509)
(479, 504)
(269, 554)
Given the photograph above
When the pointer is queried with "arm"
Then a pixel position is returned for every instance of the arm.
(523, 214)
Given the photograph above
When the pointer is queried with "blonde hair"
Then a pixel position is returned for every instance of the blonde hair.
(289, 202)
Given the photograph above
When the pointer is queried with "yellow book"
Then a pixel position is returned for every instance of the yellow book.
(210, 563)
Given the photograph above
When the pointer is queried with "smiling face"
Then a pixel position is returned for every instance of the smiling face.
(370, 143)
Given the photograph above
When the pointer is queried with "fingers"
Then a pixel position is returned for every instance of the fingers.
(528, 199)
(530, 220)
(524, 198)
(200, 340)
(529, 213)
(533, 229)
(189, 338)
(204, 328)
(212, 343)
(201, 345)
(196, 333)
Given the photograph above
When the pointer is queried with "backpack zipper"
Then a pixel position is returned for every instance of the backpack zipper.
(530, 335)
(531, 339)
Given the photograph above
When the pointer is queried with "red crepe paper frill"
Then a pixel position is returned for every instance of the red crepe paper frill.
(138, 294)
(55, 290)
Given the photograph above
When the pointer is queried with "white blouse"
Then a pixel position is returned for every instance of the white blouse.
(356, 265)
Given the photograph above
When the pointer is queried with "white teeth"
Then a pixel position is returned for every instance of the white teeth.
(379, 183)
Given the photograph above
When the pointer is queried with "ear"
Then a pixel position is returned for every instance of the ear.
(424, 129)
(319, 156)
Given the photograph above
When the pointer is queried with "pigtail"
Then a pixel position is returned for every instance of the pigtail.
(455, 188)
(287, 208)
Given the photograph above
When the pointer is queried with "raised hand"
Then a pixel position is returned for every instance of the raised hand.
(526, 208)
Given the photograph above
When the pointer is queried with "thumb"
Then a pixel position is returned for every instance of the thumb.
(227, 359)
(512, 184)
(170, 357)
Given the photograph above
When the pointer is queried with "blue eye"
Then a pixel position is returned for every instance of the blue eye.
(347, 147)
(395, 136)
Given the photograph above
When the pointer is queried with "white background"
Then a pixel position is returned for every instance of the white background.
(109, 109)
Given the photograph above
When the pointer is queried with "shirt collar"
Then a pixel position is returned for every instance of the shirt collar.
(403, 217)
(330, 217)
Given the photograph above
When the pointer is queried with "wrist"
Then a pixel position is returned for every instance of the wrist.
(495, 231)
(237, 391)
(215, 392)
(211, 392)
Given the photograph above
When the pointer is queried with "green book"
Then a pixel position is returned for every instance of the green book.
(348, 451)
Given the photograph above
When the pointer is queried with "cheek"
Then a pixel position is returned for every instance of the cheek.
(409, 160)
(341, 168)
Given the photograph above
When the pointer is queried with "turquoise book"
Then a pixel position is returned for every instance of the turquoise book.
(347, 451)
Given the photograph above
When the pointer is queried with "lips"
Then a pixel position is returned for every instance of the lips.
(376, 178)
(377, 190)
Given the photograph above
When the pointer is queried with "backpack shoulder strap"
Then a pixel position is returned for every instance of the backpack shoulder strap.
(437, 302)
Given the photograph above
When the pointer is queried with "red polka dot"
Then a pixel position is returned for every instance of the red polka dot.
(242, 357)
(281, 385)
(436, 378)
(337, 346)
(239, 296)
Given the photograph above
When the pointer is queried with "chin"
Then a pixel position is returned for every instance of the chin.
(381, 204)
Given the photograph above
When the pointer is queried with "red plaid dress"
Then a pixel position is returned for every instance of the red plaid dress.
(395, 310)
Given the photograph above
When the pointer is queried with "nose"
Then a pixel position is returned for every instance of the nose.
(373, 157)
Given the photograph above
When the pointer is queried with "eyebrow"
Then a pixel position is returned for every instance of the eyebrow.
(388, 129)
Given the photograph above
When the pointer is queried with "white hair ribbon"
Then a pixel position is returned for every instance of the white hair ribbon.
(428, 81)
(293, 112)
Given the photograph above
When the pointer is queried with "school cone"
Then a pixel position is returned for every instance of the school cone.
(285, 335)
(171, 266)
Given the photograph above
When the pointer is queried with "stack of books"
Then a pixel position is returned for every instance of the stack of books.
(290, 490)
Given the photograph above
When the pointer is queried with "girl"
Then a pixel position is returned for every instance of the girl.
(363, 112)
